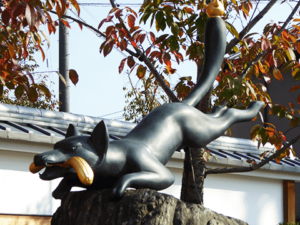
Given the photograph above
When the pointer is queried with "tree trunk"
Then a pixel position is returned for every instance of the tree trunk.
(193, 176)
(194, 164)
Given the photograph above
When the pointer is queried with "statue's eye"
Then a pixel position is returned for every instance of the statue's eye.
(74, 148)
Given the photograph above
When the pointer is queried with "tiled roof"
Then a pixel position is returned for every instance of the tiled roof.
(37, 125)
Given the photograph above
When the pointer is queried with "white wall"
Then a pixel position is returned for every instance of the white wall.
(258, 201)
(255, 200)
(22, 192)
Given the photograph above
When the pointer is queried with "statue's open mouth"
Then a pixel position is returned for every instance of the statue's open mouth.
(82, 168)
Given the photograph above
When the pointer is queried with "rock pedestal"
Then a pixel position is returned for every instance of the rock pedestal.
(135, 207)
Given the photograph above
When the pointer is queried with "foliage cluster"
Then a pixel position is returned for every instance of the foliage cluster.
(180, 25)
(20, 37)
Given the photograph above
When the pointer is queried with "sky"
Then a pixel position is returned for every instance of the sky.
(99, 91)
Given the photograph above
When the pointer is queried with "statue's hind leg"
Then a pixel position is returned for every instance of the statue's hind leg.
(217, 111)
(232, 116)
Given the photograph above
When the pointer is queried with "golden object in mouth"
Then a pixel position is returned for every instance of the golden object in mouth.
(215, 8)
(35, 169)
(82, 168)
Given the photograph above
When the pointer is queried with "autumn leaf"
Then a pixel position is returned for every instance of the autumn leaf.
(32, 95)
(76, 6)
(141, 71)
(131, 21)
(19, 91)
(62, 79)
(277, 74)
(45, 90)
(5, 16)
(294, 88)
(121, 67)
(73, 76)
(130, 61)
(65, 22)
(232, 30)
(30, 15)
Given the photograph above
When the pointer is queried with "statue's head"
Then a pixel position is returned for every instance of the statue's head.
(215, 8)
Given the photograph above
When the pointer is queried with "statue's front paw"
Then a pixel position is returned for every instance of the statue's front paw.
(116, 193)
(61, 192)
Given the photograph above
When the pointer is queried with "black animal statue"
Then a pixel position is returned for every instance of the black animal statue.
(138, 160)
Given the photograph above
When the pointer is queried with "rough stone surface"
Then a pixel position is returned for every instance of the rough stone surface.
(136, 207)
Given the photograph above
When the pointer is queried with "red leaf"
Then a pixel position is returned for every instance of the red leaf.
(109, 18)
(73, 76)
(80, 25)
(118, 13)
(5, 16)
(133, 44)
(121, 67)
(130, 61)
(43, 54)
(294, 88)
(264, 44)
(132, 11)
(142, 38)
(101, 23)
(17, 9)
(65, 23)
(76, 5)
(131, 21)
(108, 32)
(30, 15)
(152, 36)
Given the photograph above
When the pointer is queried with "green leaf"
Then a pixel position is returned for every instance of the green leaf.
(160, 20)
(232, 30)
(19, 91)
(10, 85)
(174, 46)
(33, 95)
(276, 109)
(175, 29)
(254, 131)
(45, 90)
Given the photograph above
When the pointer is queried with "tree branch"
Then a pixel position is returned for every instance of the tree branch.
(253, 166)
(234, 41)
(288, 19)
(260, 55)
(93, 29)
(141, 56)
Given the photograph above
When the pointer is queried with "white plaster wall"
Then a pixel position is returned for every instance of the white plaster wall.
(255, 200)
(22, 192)
(258, 201)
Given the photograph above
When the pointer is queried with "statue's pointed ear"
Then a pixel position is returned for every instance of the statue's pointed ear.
(100, 138)
(72, 131)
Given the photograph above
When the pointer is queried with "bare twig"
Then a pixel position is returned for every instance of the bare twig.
(253, 166)
(250, 25)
